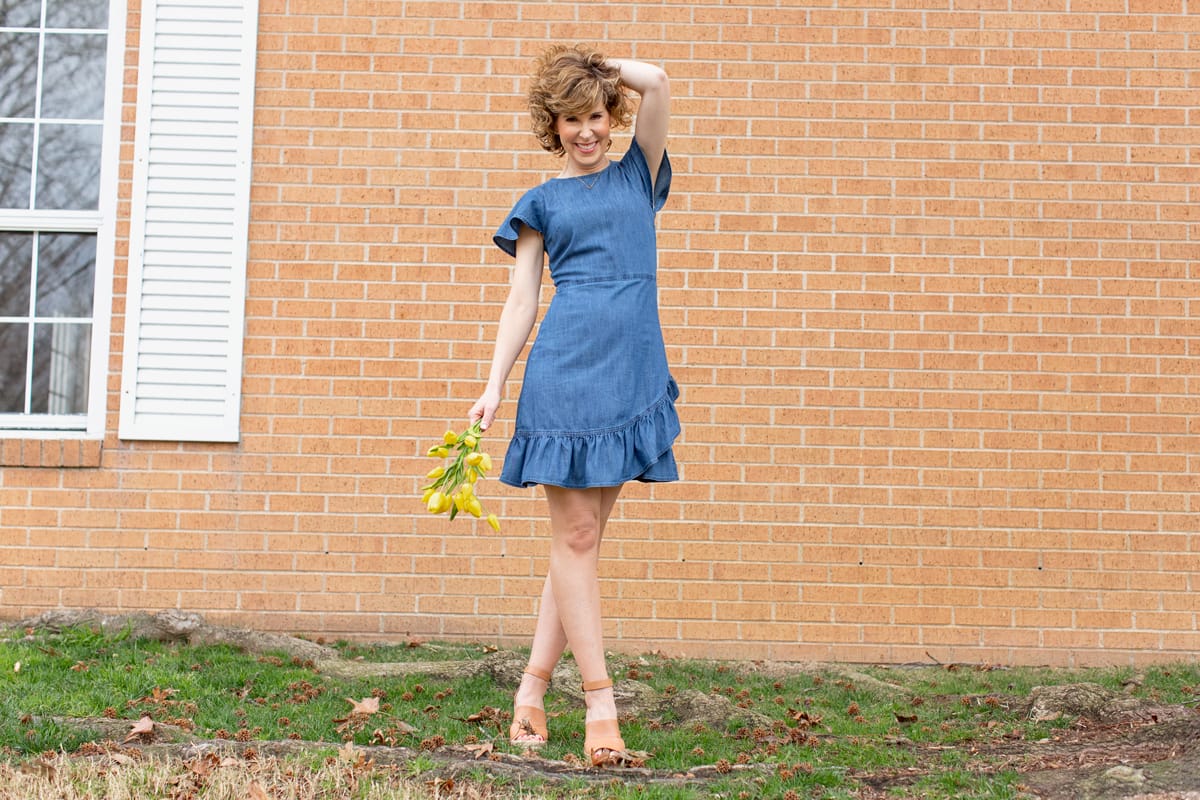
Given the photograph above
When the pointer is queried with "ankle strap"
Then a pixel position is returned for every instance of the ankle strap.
(591, 686)
(538, 673)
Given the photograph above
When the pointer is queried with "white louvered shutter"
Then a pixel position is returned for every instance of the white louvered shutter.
(182, 369)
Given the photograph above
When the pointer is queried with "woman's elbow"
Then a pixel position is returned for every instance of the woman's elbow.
(659, 81)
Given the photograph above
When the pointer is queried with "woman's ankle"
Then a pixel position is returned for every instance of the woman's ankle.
(531, 690)
(601, 704)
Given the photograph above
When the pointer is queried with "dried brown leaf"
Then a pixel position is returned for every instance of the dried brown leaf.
(481, 749)
(351, 755)
(203, 765)
(485, 714)
(368, 705)
(629, 758)
(144, 727)
(804, 719)
(42, 769)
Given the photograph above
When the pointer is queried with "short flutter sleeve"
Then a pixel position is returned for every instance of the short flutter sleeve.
(527, 211)
(634, 164)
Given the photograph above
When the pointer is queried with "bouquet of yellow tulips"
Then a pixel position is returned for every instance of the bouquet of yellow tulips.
(453, 487)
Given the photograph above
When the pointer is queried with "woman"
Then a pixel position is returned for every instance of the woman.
(597, 403)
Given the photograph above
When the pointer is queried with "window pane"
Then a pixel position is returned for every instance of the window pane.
(66, 270)
(20, 13)
(53, 60)
(16, 263)
(68, 167)
(60, 368)
(73, 76)
(16, 164)
(76, 13)
(14, 341)
(18, 73)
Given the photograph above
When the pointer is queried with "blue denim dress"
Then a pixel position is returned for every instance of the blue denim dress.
(597, 405)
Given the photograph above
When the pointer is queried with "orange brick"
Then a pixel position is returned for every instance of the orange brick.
(925, 282)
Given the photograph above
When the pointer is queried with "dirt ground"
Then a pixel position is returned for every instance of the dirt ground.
(1117, 747)
(1092, 760)
(1145, 759)
(1106, 762)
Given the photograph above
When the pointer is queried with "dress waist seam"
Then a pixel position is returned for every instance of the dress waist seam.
(608, 279)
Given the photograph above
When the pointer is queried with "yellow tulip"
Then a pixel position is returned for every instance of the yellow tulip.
(472, 475)
(428, 494)
(459, 500)
(440, 452)
(494, 521)
(450, 437)
(435, 502)
(467, 490)
(473, 505)
(473, 459)
(470, 441)
(436, 473)
(485, 463)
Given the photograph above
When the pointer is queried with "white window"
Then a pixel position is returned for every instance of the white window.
(60, 84)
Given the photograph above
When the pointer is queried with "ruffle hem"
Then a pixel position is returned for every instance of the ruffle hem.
(639, 450)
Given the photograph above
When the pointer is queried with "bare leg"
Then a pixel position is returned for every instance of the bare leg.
(549, 637)
(549, 641)
(577, 518)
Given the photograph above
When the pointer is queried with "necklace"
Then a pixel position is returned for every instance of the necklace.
(595, 178)
(587, 185)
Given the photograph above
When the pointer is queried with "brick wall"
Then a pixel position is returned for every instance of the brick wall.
(928, 283)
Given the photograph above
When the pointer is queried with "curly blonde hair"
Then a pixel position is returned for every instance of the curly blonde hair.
(574, 80)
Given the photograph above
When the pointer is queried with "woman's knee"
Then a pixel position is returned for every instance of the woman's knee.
(581, 536)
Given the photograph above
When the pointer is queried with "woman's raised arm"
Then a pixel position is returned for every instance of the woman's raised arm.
(654, 113)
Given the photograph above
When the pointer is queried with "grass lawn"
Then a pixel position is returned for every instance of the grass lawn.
(69, 700)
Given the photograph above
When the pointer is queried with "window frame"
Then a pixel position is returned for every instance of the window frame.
(103, 223)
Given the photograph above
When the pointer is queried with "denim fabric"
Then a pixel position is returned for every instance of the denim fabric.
(597, 406)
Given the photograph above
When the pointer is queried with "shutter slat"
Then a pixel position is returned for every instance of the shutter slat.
(165, 364)
(202, 298)
(181, 269)
(162, 383)
(181, 105)
(178, 148)
(197, 352)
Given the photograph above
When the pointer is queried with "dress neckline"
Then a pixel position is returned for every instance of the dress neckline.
(594, 175)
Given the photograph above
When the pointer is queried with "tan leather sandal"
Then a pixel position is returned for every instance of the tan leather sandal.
(530, 720)
(602, 740)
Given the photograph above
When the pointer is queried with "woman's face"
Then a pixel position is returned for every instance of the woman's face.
(585, 138)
